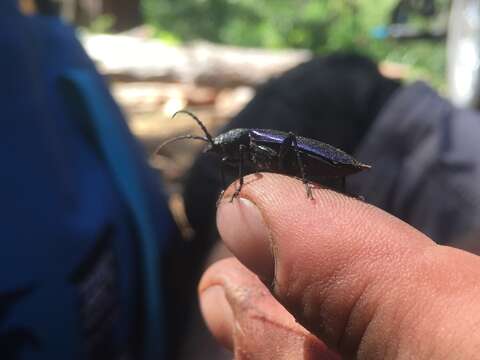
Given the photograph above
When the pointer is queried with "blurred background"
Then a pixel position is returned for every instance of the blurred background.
(209, 55)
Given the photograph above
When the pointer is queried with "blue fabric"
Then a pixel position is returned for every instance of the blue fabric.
(111, 135)
(64, 197)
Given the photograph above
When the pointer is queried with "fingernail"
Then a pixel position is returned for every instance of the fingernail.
(218, 314)
(243, 229)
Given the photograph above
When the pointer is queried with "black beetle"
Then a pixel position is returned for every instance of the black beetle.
(276, 151)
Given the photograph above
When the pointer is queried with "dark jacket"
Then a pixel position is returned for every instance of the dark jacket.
(425, 157)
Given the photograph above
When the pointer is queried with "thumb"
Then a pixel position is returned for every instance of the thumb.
(363, 281)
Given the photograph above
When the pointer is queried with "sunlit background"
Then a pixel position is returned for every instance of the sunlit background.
(208, 55)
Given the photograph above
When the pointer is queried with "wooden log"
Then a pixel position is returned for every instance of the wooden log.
(127, 57)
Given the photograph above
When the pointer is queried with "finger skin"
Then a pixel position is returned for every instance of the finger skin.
(363, 281)
(245, 317)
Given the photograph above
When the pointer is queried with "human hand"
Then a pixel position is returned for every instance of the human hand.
(367, 284)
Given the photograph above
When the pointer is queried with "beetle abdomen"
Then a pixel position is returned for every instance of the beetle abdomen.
(319, 159)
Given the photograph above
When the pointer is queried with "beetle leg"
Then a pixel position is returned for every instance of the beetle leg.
(290, 140)
(222, 176)
(242, 150)
(222, 172)
(254, 148)
(284, 147)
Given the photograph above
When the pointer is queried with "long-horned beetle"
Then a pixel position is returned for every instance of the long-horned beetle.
(278, 152)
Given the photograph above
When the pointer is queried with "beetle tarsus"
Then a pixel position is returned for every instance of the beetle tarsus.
(235, 195)
(308, 188)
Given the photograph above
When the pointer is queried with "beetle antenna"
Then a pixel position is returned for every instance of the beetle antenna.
(194, 117)
(181, 137)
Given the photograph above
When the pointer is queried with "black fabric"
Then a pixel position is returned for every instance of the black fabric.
(425, 166)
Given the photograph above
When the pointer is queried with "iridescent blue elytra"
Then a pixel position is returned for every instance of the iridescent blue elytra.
(277, 151)
(320, 160)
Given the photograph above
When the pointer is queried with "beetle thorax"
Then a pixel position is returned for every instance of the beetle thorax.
(227, 144)
(235, 136)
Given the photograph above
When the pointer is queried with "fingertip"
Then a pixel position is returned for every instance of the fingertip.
(243, 229)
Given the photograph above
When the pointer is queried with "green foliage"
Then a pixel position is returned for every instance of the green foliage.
(167, 37)
(273, 24)
(426, 59)
(102, 24)
(320, 25)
